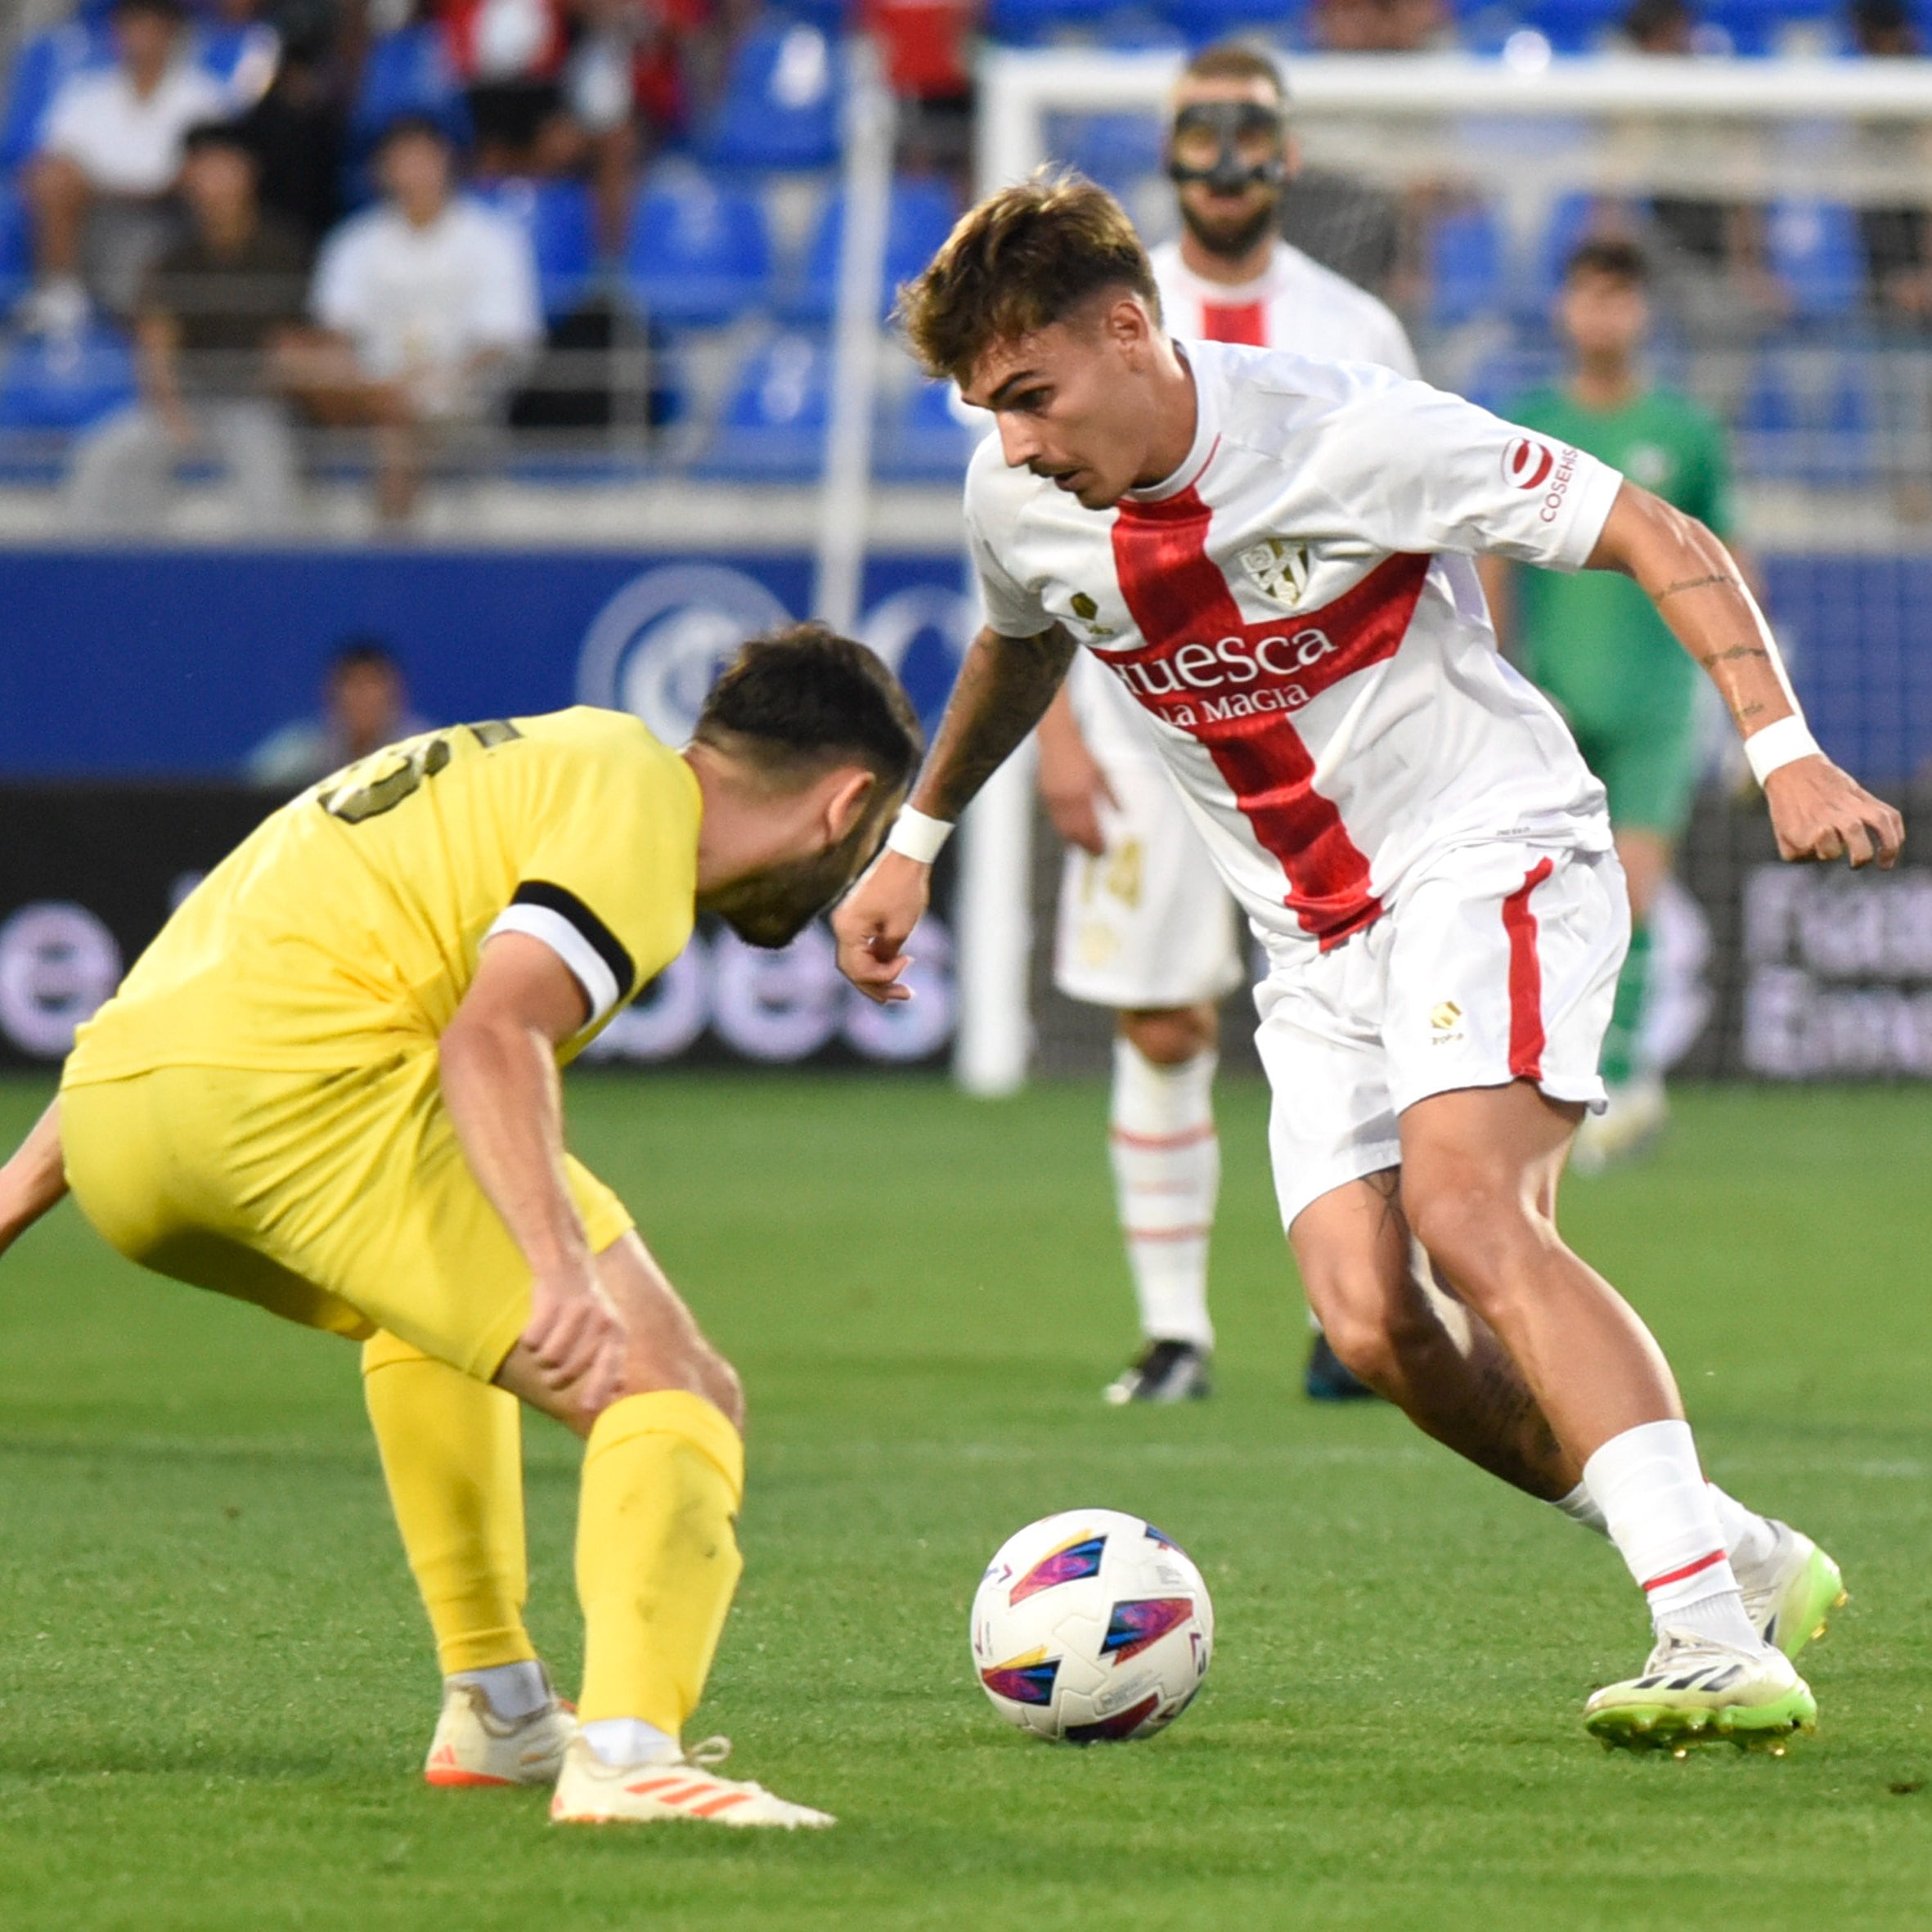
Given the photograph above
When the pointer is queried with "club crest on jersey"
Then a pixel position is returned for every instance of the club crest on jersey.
(1086, 613)
(1528, 462)
(1279, 570)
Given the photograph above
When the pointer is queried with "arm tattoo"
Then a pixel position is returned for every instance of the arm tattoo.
(1695, 583)
(1003, 689)
(1709, 659)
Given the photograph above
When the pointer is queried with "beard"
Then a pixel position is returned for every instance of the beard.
(771, 909)
(1230, 236)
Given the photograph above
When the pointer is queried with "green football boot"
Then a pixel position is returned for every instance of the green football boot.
(1694, 1690)
(1790, 1599)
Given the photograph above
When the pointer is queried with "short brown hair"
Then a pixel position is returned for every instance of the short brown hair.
(1236, 60)
(1612, 257)
(803, 697)
(1023, 260)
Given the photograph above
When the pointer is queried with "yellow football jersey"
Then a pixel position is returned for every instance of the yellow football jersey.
(350, 922)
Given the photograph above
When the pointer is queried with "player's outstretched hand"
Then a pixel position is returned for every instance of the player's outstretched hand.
(577, 1337)
(1820, 812)
(1073, 788)
(874, 922)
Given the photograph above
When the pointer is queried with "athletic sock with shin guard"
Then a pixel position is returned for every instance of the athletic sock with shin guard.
(1167, 1176)
(453, 1456)
(1660, 1516)
(656, 1558)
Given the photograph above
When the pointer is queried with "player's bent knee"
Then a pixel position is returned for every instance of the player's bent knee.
(1475, 1233)
(1170, 1037)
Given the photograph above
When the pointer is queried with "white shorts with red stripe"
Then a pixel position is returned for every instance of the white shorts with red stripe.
(1148, 923)
(1498, 963)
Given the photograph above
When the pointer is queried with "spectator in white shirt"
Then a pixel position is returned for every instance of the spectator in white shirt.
(101, 186)
(428, 310)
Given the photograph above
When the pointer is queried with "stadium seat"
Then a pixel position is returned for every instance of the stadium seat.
(780, 104)
(923, 213)
(557, 216)
(1572, 219)
(1116, 150)
(408, 72)
(1037, 23)
(1466, 262)
(44, 61)
(921, 440)
(52, 386)
(1815, 251)
(699, 255)
(16, 246)
(773, 426)
(1810, 417)
(1574, 26)
(1206, 21)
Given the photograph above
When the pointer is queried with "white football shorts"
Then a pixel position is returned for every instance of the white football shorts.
(1148, 923)
(1499, 963)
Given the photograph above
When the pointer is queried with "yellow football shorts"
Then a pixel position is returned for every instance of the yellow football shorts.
(339, 1200)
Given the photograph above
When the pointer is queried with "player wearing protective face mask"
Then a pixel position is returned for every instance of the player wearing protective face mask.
(1145, 926)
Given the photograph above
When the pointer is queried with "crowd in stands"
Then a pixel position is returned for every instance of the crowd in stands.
(226, 224)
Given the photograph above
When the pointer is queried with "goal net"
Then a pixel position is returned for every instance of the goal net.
(1780, 205)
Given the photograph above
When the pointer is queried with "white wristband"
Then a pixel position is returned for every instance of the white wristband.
(914, 835)
(1779, 744)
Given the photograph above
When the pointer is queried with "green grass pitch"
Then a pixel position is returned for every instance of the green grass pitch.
(215, 1690)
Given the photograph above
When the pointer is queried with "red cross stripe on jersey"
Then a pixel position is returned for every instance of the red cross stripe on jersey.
(1233, 687)
(1235, 322)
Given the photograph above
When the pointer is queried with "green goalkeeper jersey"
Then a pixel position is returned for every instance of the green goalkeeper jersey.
(1594, 641)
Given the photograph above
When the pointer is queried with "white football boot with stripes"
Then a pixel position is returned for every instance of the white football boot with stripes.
(591, 1792)
(473, 1747)
(1695, 1690)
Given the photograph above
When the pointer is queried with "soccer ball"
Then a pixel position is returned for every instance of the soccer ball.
(1089, 1626)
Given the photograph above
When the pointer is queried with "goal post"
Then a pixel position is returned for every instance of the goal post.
(1831, 403)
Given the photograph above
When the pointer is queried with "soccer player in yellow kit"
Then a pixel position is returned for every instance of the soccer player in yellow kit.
(330, 1087)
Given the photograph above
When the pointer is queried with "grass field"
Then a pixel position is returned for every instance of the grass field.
(215, 1687)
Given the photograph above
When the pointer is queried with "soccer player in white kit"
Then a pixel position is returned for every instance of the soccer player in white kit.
(1278, 552)
(1145, 926)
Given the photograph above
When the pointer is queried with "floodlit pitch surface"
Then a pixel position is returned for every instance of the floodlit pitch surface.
(215, 1687)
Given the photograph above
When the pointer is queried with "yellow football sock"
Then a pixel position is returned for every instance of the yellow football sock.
(657, 1557)
(452, 1452)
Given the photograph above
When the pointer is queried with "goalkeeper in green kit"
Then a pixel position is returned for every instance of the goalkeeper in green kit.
(1596, 644)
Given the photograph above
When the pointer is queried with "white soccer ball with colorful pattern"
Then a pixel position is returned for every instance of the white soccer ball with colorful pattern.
(1091, 1627)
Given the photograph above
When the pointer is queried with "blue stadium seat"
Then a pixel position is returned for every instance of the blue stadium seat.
(1574, 26)
(1768, 422)
(16, 246)
(1815, 251)
(773, 427)
(1752, 26)
(557, 216)
(66, 382)
(1205, 21)
(1116, 149)
(408, 72)
(1810, 418)
(44, 61)
(1466, 264)
(781, 101)
(921, 440)
(1572, 218)
(923, 213)
(699, 254)
(1036, 23)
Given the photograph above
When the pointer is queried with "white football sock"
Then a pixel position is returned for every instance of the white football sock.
(1167, 1174)
(630, 1741)
(514, 1690)
(1581, 1507)
(1750, 1540)
(1654, 1498)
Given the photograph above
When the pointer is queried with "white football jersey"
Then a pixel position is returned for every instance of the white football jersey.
(1296, 614)
(1295, 304)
